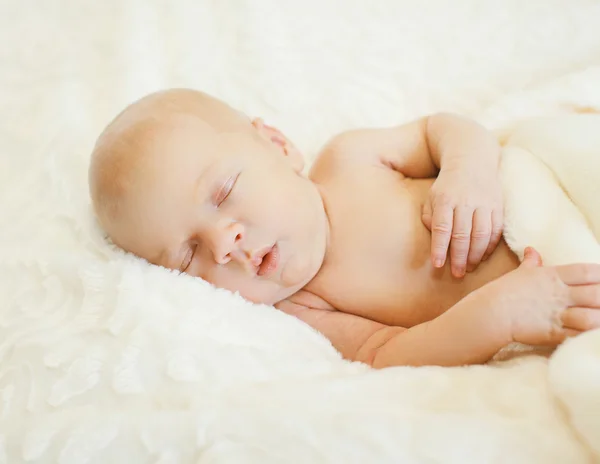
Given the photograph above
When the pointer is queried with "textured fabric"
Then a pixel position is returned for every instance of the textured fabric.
(105, 359)
(550, 171)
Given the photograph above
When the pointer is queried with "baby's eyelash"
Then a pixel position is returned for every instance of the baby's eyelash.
(226, 190)
(188, 258)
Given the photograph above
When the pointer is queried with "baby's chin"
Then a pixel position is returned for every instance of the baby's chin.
(262, 295)
(270, 292)
(300, 272)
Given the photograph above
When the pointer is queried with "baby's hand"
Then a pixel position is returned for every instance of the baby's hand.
(544, 305)
(464, 211)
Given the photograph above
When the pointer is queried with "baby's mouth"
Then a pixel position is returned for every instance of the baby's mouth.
(267, 263)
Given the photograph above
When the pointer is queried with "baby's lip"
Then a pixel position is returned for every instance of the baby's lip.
(265, 260)
(258, 256)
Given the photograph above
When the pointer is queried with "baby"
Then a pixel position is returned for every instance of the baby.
(391, 246)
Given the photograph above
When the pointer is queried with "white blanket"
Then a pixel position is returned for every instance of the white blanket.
(105, 359)
(550, 170)
(551, 174)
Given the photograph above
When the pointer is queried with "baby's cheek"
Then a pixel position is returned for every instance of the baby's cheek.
(232, 279)
(258, 292)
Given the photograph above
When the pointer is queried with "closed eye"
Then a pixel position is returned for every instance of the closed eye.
(189, 256)
(226, 189)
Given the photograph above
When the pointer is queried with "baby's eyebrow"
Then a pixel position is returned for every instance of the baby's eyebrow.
(204, 178)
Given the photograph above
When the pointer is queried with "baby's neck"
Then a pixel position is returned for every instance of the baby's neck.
(326, 222)
(306, 295)
(324, 234)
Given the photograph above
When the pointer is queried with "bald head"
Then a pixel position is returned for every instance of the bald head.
(120, 156)
(184, 181)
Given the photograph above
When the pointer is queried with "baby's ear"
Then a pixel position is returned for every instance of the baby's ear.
(275, 136)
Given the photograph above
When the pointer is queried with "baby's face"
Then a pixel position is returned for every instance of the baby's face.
(226, 206)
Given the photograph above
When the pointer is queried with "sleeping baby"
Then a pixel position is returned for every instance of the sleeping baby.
(391, 246)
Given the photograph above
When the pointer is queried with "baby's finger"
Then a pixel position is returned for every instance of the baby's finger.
(586, 296)
(496, 234)
(426, 215)
(571, 332)
(461, 240)
(441, 228)
(480, 237)
(559, 336)
(579, 274)
(581, 319)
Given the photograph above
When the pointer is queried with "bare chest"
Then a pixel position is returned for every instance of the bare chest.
(378, 263)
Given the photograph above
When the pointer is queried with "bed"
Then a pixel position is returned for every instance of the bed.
(104, 358)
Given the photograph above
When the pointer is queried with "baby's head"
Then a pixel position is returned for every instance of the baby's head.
(187, 182)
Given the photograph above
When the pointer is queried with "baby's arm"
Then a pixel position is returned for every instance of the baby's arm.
(533, 305)
(420, 149)
(464, 209)
(465, 334)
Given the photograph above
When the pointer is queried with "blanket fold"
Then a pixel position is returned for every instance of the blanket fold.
(551, 177)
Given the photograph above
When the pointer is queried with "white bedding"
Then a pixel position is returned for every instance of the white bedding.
(104, 358)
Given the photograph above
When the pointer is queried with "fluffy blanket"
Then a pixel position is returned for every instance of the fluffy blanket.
(550, 170)
(105, 359)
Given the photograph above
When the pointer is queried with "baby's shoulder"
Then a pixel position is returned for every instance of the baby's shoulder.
(346, 152)
(354, 145)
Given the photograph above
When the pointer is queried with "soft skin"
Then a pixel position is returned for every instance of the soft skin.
(391, 246)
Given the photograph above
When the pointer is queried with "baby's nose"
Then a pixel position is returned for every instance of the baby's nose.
(226, 244)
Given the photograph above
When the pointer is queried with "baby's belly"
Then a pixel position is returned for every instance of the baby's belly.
(379, 266)
(412, 295)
